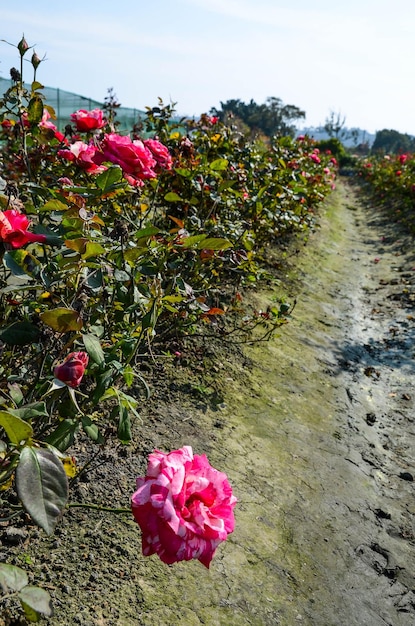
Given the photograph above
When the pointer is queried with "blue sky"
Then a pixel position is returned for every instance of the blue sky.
(354, 57)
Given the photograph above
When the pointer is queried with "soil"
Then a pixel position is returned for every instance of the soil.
(315, 429)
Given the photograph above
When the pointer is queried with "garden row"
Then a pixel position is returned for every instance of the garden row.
(391, 180)
(114, 246)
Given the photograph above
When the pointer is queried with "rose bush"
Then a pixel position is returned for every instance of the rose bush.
(183, 506)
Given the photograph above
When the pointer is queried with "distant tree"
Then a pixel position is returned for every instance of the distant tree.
(271, 118)
(335, 125)
(334, 145)
(392, 141)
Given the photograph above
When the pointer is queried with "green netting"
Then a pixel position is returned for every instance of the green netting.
(65, 103)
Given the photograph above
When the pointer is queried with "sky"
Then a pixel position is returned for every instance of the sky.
(354, 58)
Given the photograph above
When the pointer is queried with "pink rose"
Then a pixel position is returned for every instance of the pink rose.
(135, 160)
(45, 123)
(72, 369)
(314, 157)
(160, 153)
(86, 121)
(13, 229)
(184, 507)
(82, 154)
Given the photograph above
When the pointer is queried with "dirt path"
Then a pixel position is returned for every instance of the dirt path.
(341, 433)
(317, 437)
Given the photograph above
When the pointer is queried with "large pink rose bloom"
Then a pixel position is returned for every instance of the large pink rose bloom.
(135, 160)
(184, 507)
(13, 229)
(160, 153)
(82, 154)
(86, 121)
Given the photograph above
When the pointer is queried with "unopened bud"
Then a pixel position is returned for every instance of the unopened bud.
(23, 46)
(35, 60)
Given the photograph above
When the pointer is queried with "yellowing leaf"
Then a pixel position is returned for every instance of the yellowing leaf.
(61, 319)
(69, 465)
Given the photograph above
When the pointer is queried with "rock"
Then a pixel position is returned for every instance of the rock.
(13, 536)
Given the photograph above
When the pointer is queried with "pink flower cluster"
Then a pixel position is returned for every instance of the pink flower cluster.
(184, 507)
(139, 160)
(314, 156)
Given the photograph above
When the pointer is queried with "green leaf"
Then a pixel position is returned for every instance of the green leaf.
(192, 240)
(93, 347)
(53, 205)
(36, 85)
(20, 262)
(110, 177)
(219, 165)
(124, 425)
(226, 184)
(214, 243)
(181, 171)
(30, 614)
(15, 393)
(172, 197)
(121, 276)
(103, 381)
(92, 430)
(12, 578)
(95, 280)
(63, 436)
(37, 599)
(128, 374)
(20, 334)
(92, 249)
(29, 411)
(61, 319)
(16, 429)
(35, 110)
(145, 233)
(42, 486)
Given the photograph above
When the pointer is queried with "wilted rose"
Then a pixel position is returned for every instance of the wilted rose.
(86, 121)
(184, 507)
(72, 369)
(13, 229)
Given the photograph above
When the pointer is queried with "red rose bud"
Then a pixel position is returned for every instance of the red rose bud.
(72, 369)
(35, 60)
(23, 46)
